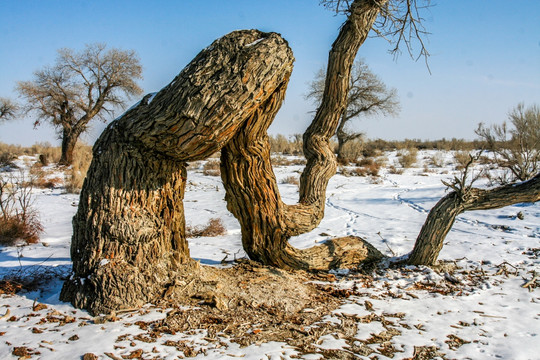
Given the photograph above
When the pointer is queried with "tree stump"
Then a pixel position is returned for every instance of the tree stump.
(129, 243)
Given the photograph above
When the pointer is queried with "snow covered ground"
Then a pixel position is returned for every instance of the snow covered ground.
(476, 309)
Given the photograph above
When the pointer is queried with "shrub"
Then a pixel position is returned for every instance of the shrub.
(283, 161)
(437, 160)
(214, 227)
(351, 151)
(461, 158)
(280, 144)
(6, 159)
(393, 170)
(18, 219)
(82, 157)
(13, 150)
(293, 180)
(211, 168)
(408, 158)
(43, 179)
(516, 147)
(47, 154)
(367, 166)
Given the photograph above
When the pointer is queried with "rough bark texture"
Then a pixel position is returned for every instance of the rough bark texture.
(252, 193)
(441, 218)
(69, 140)
(129, 243)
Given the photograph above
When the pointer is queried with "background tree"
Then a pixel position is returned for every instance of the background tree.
(515, 146)
(81, 86)
(8, 109)
(367, 95)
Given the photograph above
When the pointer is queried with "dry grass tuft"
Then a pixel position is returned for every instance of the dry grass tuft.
(42, 179)
(393, 170)
(407, 158)
(293, 180)
(283, 161)
(437, 160)
(16, 228)
(211, 168)
(462, 159)
(214, 227)
(368, 167)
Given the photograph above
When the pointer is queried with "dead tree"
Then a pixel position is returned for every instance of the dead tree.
(129, 241)
(463, 198)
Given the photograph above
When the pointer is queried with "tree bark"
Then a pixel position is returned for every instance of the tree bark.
(252, 193)
(441, 218)
(69, 140)
(129, 241)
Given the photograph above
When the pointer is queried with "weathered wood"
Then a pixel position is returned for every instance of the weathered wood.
(252, 194)
(267, 223)
(129, 240)
(443, 215)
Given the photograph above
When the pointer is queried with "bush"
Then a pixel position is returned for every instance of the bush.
(437, 160)
(408, 158)
(47, 154)
(212, 168)
(214, 227)
(283, 161)
(367, 166)
(18, 220)
(42, 179)
(393, 170)
(293, 180)
(516, 147)
(461, 158)
(82, 158)
(351, 151)
(280, 144)
(6, 159)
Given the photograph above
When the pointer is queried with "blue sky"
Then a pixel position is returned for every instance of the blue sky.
(485, 55)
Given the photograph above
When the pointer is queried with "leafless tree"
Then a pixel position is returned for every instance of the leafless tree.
(79, 87)
(8, 109)
(367, 95)
(515, 146)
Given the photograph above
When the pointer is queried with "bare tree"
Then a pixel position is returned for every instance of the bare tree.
(367, 95)
(81, 86)
(515, 146)
(464, 197)
(8, 109)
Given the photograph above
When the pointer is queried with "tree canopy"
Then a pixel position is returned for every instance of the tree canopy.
(79, 87)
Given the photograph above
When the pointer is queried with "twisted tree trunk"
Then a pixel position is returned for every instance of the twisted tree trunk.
(129, 240)
(441, 218)
(252, 194)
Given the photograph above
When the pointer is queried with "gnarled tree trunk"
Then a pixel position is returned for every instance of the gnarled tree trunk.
(441, 218)
(129, 240)
(252, 194)
(69, 140)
